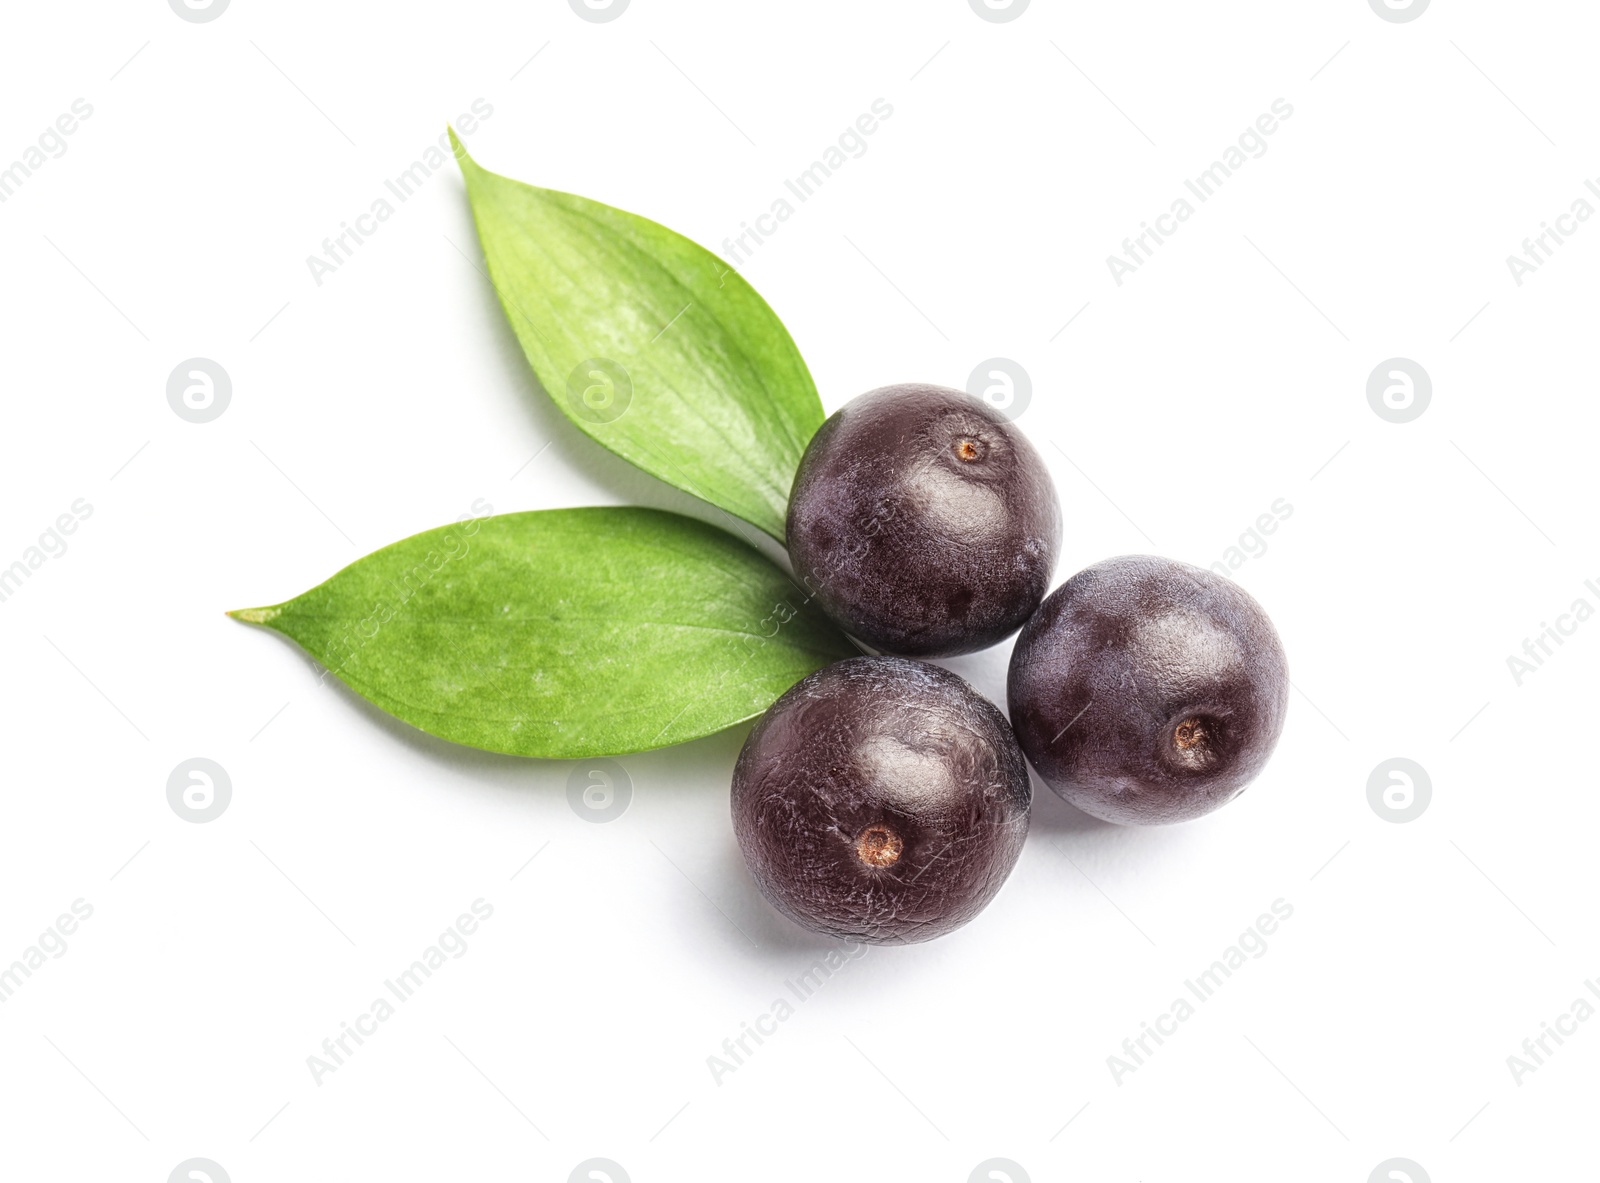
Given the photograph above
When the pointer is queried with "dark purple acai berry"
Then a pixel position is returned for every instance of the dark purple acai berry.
(1145, 690)
(923, 522)
(881, 800)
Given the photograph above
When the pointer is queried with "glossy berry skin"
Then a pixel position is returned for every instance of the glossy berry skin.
(923, 522)
(1147, 691)
(881, 800)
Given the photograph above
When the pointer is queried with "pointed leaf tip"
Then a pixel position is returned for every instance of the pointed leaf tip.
(255, 615)
(463, 157)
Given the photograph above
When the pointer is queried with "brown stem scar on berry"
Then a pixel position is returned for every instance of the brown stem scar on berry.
(879, 846)
(1191, 733)
(968, 449)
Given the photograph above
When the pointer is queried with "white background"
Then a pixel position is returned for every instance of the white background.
(1230, 371)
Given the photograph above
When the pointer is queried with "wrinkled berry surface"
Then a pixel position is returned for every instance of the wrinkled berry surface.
(923, 522)
(1146, 691)
(881, 800)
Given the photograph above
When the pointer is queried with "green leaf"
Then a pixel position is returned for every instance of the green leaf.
(650, 344)
(565, 632)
